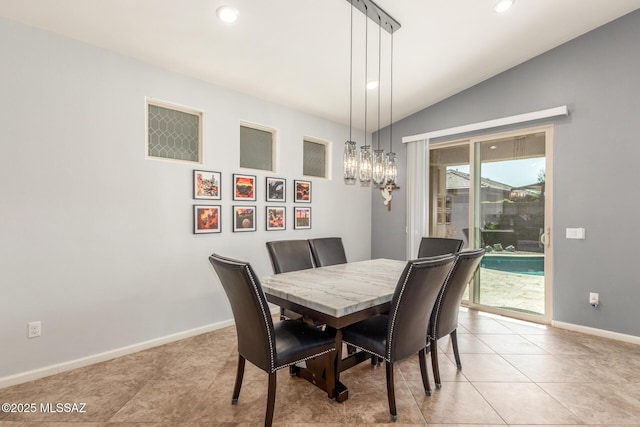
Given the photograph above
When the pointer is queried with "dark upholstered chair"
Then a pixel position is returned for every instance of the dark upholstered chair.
(290, 255)
(433, 246)
(400, 333)
(327, 251)
(444, 317)
(268, 346)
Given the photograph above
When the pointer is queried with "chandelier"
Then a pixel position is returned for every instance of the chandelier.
(368, 165)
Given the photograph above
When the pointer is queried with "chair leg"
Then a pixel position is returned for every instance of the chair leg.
(433, 344)
(375, 361)
(271, 399)
(423, 370)
(239, 376)
(391, 394)
(454, 342)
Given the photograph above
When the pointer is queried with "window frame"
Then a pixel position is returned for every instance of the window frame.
(177, 107)
(274, 145)
(328, 145)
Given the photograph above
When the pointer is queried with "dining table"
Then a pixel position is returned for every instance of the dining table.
(335, 296)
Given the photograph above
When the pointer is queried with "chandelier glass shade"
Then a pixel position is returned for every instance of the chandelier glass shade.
(365, 164)
(391, 170)
(350, 162)
(379, 167)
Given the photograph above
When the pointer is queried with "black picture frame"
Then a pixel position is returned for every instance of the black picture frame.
(276, 189)
(207, 185)
(302, 218)
(302, 191)
(244, 187)
(276, 218)
(207, 219)
(244, 218)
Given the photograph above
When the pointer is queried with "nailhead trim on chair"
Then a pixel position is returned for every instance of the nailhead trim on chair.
(395, 311)
(306, 358)
(431, 333)
(368, 351)
(273, 367)
(264, 314)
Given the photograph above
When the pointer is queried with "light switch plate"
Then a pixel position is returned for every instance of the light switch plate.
(575, 233)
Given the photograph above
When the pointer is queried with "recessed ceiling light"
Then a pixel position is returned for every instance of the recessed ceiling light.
(227, 14)
(504, 5)
(372, 84)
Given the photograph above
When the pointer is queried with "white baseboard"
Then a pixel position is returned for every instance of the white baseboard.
(35, 374)
(123, 351)
(597, 332)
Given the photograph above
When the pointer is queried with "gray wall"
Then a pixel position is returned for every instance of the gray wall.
(96, 241)
(595, 155)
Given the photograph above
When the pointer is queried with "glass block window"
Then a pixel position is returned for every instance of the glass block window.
(257, 147)
(173, 132)
(314, 161)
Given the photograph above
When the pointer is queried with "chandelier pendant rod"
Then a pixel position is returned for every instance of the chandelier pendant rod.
(351, 76)
(366, 66)
(379, 73)
(391, 101)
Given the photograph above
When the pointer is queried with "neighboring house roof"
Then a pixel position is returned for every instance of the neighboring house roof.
(458, 180)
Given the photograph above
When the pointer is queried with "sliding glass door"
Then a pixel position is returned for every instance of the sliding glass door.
(492, 192)
(511, 222)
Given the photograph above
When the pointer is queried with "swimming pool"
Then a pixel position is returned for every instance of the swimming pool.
(520, 264)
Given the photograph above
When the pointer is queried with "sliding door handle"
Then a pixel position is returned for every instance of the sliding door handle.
(545, 238)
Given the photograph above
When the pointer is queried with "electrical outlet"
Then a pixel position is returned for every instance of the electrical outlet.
(35, 329)
(594, 299)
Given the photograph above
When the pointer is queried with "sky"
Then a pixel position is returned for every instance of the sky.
(515, 173)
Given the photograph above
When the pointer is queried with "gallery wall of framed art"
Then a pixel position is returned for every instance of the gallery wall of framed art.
(207, 219)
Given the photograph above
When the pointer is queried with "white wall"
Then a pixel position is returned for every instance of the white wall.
(96, 241)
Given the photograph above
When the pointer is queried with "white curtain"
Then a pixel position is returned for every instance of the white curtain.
(417, 194)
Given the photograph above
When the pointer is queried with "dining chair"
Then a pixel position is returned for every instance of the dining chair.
(400, 333)
(433, 246)
(327, 251)
(268, 346)
(444, 317)
(289, 255)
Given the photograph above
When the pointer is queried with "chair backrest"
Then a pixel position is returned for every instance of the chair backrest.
(327, 251)
(254, 325)
(412, 304)
(290, 255)
(444, 318)
(434, 246)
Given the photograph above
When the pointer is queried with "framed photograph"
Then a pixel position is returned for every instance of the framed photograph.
(276, 189)
(302, 218)
(206, 219)
(244, 187)
(302, 191)
(244, 218)
(206, 185)
(276, 218)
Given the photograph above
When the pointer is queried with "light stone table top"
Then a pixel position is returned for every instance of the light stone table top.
(340, 289)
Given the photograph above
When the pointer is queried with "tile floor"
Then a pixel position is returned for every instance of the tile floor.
(514, 373)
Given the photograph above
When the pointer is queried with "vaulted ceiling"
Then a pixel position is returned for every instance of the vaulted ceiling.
(297, 52)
